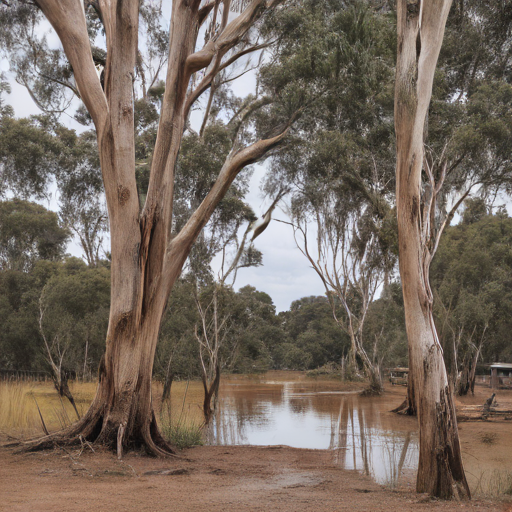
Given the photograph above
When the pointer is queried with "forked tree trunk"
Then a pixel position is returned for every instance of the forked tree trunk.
(420, 34)
(211, 394)
(146, 259)
(370, 368)
(372, 372)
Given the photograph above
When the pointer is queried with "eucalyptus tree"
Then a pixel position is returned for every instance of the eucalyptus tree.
(465, 152)
(469, 122)
(54, 154)
(420, 35)
(29, 232)
(27, 173)
(339, 168)
(82, 206)
(147, 256)
(348, 257)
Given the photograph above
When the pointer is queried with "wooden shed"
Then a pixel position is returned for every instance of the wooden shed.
(398, 376)
(501, 375)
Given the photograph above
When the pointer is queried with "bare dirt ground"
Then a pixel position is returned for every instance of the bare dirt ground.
(209, 478)
(241, 478)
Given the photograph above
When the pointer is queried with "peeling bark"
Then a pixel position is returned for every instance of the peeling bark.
(146, 260)
(420, 34)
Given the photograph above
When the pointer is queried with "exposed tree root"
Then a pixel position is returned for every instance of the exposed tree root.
(404, 408)
(93, 429)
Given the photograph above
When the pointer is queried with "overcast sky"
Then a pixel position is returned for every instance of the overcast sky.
(285, 274)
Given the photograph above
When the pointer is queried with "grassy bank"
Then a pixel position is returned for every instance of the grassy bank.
(25, 405)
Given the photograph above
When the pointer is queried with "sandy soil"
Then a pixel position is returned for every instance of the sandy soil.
(205, 479)
(233, 479)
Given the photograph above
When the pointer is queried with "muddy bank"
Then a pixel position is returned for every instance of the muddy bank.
(209, 478)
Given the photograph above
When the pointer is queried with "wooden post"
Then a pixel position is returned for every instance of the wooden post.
(495, 382)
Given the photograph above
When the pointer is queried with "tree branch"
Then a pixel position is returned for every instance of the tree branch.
(67, 17)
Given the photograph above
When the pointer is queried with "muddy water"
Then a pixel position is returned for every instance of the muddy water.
(285, 408)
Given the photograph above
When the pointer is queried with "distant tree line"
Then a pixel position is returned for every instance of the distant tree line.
(46, 295)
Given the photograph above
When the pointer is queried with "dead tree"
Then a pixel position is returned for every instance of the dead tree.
(55, 352)
(344, 258)
(211, 338)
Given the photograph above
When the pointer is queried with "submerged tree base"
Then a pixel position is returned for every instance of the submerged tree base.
(405, 408)
(372, 391)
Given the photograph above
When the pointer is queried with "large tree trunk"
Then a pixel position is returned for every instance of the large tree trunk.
(146, 258)
(420, 33)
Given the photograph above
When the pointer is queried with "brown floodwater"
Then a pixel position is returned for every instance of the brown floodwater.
(287, 408)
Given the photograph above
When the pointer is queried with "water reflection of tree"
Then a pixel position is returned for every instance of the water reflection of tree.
(300, 405)
(361, 436)
(374, 452)
(241, 407)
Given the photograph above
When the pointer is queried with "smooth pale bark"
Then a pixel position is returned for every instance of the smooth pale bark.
(342, 272)
(146, 259)
(420, 34)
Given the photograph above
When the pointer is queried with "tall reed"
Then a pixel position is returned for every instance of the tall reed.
(26, 405)
(180, 421)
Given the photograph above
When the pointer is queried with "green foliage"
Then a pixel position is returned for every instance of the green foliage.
(177, 350)
(253, 331)
(27, 172)
(74, 303)
(42, 295)
(471, 276)
(470, 116)
(312, 336)
(475, 210)
(339, 162)
(19, 337)
(53, 153)
(5, 87)
(29, 232)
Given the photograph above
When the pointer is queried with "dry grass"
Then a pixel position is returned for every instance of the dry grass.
(181, 417)
(19, 402)
(493, 484)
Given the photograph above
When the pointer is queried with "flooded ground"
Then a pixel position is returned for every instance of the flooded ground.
(287, 408)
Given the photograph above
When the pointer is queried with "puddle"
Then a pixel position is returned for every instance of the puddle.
(360, 431)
